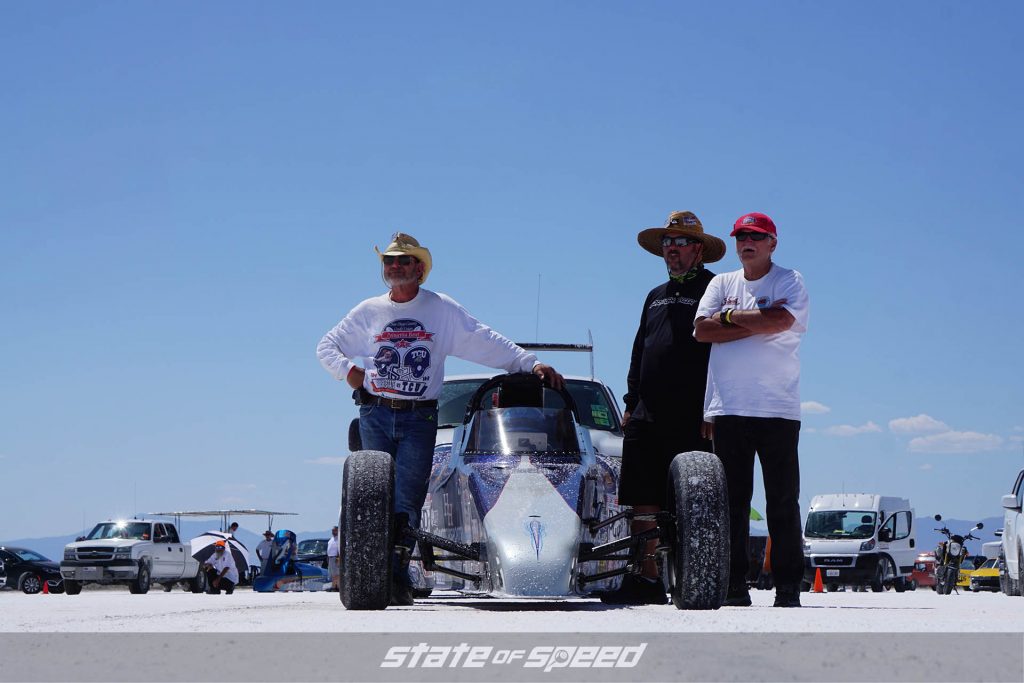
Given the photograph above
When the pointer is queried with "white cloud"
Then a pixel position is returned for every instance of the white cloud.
(326, 460)
(1016, 438)
(921, 424)
(927, 466)
(850, 430)
(814, 408)
(807, 430)
(1018, 428)
(955, 442)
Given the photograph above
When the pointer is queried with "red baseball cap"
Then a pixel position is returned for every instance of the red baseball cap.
(753, 222)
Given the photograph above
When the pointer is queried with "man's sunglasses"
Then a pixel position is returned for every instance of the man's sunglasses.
(402, 260)
(678, 241)
(756, 236)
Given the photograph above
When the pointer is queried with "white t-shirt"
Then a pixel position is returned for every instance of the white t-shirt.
(758, 376)
(220, 560)
(403, 346)
(332, 547)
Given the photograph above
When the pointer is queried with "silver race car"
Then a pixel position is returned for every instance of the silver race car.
(522, 503)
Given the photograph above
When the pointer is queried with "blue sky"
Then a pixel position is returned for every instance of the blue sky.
(192, 193)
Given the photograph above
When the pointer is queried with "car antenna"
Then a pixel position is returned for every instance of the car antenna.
(536, 324)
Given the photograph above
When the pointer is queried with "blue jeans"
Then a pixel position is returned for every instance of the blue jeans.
(408, 435)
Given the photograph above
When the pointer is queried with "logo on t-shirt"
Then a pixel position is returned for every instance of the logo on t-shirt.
(730, 301)
(400, 371)
(403, 333)
(763, 302)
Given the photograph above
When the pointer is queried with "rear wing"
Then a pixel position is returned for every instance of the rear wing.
(573, 348)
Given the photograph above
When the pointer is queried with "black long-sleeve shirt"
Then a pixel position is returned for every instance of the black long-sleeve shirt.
(669, 368)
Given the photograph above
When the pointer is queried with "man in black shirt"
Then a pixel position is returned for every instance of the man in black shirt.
(665, 386)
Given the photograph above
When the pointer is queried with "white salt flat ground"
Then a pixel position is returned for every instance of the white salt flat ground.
(114, 611)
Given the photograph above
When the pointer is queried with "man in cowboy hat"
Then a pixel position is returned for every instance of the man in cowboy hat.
(755, 318)
(665, 385)
(408, 332)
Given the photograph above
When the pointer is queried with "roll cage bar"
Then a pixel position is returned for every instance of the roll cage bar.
(521, 389)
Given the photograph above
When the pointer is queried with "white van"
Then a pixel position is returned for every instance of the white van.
(860, 539)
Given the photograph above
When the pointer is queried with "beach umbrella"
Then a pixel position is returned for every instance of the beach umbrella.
(203, 548)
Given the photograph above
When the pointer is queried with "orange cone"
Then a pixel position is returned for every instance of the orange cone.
(818, 587)
(46, 587)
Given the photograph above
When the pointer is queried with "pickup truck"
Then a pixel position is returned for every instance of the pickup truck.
(134, 552)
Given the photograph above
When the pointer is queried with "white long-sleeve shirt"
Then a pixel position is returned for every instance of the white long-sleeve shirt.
(403, 346)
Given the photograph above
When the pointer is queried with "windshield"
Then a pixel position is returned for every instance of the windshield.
(28, 555)
(523, 431)
(592, 401)
(840, 524)
(136, 530)
(315, 546)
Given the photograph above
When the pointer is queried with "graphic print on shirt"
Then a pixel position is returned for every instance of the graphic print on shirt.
(402, 370)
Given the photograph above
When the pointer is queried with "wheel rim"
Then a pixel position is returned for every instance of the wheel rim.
(32, 584)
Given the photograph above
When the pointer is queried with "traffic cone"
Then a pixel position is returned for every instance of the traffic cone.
(46, 587)
(818, 587)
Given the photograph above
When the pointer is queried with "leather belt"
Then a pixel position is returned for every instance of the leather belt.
(368, 399)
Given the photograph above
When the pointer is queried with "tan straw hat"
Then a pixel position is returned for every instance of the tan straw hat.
(682, 223)
(406, 245)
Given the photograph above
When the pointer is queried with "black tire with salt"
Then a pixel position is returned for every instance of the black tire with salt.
(366, 525)
(698, 561)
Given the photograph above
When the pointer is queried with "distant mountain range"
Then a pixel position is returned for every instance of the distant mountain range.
(53, 546)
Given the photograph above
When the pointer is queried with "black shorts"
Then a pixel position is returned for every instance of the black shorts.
(647, 452)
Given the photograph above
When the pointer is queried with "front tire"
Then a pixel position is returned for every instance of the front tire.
(367, 527)
(140, 584)
(198, 584)
(31, 584)
(884, 573)
(72, 587)
(698, 560)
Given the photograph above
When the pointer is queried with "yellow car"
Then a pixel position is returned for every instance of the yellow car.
(985, 577)
(970, 565)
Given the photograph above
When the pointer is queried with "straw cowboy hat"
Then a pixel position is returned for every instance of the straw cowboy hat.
(406, 245)
(682, 223)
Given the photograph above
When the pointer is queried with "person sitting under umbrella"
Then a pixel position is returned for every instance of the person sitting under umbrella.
(221, 571)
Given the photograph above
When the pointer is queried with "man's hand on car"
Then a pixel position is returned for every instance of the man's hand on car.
(548, 375)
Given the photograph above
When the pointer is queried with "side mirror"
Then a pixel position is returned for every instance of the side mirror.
(1010, 502)
(980, 526)
(355, 442)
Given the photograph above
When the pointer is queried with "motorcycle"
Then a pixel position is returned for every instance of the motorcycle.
(949, 555)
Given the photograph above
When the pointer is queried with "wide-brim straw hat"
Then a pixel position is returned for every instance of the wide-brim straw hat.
(682, 223)
(406, 245)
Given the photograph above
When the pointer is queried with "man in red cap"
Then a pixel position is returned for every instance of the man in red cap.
(665, 385)
(755, 318)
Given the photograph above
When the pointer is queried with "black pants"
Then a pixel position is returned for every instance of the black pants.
(225, 584)
(775, 441)
(647, 452)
